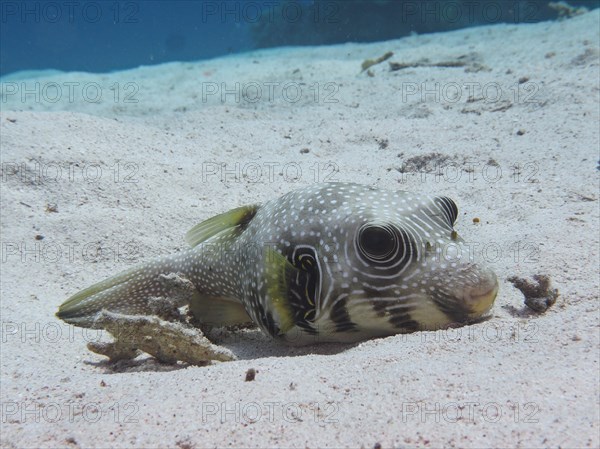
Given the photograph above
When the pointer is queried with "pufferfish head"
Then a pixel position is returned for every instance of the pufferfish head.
(395, 264)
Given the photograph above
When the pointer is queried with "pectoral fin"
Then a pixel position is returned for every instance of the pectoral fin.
(279, 273)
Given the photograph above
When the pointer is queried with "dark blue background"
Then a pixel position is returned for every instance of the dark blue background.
(105, 35)
(126, 34)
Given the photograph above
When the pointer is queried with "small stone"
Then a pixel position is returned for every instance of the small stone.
(51, 207)
(250, 374)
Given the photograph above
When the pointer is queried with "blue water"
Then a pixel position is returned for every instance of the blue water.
(102, 36)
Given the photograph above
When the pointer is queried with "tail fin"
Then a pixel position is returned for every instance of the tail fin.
(128, 292)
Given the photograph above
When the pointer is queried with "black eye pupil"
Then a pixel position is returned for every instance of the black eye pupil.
(384, 248)
(377, 241)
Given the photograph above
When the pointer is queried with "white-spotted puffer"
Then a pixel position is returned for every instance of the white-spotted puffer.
(328, 262)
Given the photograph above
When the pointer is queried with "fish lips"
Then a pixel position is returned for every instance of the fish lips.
(471, 302)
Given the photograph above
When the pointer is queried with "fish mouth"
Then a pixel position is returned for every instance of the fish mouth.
(480, 300)
(468, 303)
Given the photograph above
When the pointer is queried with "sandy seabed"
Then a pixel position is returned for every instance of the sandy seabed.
(100, 171)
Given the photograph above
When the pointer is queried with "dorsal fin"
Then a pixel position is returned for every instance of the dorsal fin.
(240, 216)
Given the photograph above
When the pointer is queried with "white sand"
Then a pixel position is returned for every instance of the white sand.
(517, 380)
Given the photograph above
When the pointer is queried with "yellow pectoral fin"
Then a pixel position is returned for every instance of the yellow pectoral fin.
(279, 272)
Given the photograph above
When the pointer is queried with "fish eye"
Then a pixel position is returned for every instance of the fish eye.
(377, 242)
(385, 248)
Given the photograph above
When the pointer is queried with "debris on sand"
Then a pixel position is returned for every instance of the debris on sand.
(566, 11)
(167, 341)
(371, 62)
(539, 296)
